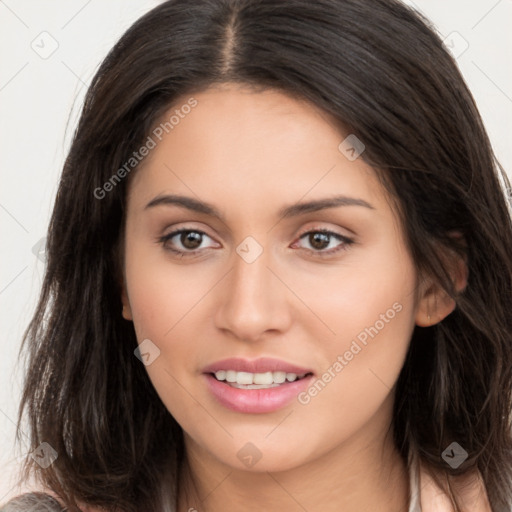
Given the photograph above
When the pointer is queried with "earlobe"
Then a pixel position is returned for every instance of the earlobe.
(434, 306)
(127, 311)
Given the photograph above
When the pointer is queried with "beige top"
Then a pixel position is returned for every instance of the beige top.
(425, 496)
(414, 486)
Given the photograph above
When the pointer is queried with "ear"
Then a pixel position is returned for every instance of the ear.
(121, 278)
(127, 310)
(434, 303)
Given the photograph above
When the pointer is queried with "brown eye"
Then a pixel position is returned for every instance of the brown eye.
(190, 239)
(184, 241)
(320, 240)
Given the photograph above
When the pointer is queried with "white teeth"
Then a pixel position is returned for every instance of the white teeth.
(262, 378)
(249, 380)
(244, 378)
(279, 377)
(220, 375)
(231, 376)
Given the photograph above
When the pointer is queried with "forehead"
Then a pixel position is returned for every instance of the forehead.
(238, 140)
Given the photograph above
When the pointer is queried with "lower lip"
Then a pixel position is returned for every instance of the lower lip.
(253, 401)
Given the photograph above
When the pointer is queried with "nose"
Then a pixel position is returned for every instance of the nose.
(254, 301)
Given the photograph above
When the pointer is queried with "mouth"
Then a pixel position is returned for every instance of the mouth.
(259, 386)
(248, 380)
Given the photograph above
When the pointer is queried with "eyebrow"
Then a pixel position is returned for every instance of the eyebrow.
(288, 211)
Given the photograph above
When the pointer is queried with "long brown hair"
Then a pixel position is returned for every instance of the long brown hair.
(378, 67)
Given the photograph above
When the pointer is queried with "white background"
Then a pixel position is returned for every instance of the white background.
(39, 96)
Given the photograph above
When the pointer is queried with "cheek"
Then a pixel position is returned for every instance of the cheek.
(165, 300)
(161, 296)
(372, 314)
(370, 295)
(357, 384)
(161, 292)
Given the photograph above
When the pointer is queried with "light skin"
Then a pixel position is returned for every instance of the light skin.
(250, 154)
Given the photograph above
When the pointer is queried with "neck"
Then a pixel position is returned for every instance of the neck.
(365, 473)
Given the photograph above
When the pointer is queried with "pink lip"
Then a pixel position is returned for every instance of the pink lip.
(262, 365)
(254, 401)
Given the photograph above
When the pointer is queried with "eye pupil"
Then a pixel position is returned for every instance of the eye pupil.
(193, 237)
(319, 240)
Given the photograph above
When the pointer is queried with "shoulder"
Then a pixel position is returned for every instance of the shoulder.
(33, 502)
(470, 491)
(38, 502)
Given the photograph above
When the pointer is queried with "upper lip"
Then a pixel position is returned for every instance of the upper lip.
(262, 365)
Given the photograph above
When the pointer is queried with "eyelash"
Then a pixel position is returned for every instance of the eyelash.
(322, 253)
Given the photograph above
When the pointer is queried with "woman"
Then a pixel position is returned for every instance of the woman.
(278, 273)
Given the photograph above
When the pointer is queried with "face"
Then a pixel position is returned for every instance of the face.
(267, 277)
